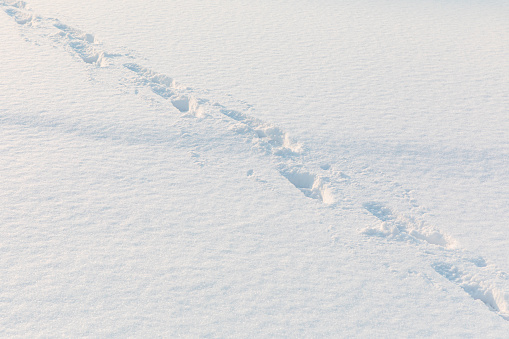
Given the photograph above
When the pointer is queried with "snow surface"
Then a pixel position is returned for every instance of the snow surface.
(214, 168)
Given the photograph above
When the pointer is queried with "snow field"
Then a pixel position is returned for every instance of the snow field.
(155, 191)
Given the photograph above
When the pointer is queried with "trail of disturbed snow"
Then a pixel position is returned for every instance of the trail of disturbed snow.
(470, 272)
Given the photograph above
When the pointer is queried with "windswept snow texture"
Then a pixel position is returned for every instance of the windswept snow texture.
(254, 169)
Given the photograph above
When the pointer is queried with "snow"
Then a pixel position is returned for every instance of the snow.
(254, 169)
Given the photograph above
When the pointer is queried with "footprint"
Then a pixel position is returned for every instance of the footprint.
(402, 227)
(311, 185)
(77, 41)
(491, 296)
(188, 105)
(81, 43)
(17, 4)
(167, 88)
(149, 76)
(181, 103)
(21, 18)
(160, 84)
(271, 138)
(162, 91)
(88, 54)
(74, 34)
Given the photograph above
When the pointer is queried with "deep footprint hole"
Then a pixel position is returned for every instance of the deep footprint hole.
(182, 104)
(300, 179)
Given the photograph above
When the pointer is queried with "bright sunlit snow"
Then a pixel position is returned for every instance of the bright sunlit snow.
(254, 168)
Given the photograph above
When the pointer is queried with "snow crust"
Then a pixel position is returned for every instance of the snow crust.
(254, 169)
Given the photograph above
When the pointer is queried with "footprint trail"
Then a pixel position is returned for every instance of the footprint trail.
(469, 272)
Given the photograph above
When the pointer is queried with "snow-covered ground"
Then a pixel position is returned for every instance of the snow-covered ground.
(254, 169)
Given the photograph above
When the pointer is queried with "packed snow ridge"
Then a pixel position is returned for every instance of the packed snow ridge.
(471, 273)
